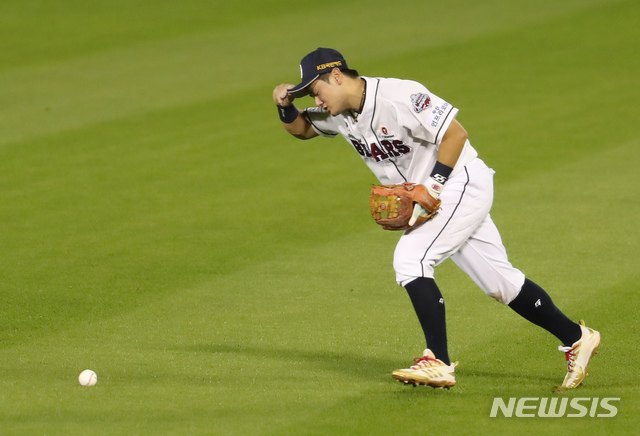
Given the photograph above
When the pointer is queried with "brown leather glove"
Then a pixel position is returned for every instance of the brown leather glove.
(392, 206)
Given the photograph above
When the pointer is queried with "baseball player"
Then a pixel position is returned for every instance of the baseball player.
(407, 134)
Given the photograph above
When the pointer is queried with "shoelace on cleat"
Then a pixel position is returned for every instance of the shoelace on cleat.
(423, 361)
(570, 355)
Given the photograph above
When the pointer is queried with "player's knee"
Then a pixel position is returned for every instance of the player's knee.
(406, 272)
(503, 292)
(500, 296)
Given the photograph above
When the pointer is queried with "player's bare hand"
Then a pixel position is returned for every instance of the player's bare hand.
(280, 95)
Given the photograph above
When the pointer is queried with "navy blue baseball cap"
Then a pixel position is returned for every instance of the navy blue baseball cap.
(319, 61)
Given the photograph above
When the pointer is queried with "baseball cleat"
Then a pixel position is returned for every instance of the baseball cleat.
(578, 356)
(427, 371)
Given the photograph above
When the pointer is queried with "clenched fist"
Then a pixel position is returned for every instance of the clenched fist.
(280, 95)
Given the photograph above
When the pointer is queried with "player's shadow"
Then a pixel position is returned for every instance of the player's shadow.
(366, 367)
(355, 365)
(510, 375)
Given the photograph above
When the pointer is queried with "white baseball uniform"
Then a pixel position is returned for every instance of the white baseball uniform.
(398, 135)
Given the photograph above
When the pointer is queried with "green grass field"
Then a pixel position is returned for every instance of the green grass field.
(158, 226)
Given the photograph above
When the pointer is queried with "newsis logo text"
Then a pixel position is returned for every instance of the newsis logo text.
(554, 407)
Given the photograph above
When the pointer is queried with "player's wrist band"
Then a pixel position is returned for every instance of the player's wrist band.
(288, 114)
(441, 172)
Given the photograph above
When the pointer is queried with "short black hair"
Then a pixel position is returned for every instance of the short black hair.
(349, 73)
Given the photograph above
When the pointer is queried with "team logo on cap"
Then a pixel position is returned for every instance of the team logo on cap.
(329, 65)
(420, 102)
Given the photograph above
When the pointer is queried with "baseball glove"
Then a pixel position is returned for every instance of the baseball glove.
(392, 206)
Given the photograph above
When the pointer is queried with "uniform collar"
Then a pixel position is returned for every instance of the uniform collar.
(368, 108)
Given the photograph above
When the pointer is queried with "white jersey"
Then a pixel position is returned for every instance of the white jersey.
(398, 135)
(399, 131)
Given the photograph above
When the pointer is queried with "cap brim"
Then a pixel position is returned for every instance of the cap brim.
(302, 89)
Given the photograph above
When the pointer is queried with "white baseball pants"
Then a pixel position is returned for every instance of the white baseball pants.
(464, 231)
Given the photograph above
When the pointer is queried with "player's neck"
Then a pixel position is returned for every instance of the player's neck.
(357, 94)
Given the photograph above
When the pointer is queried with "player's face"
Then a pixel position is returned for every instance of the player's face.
(328, 95)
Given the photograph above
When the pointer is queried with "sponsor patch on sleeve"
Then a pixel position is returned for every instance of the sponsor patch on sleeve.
(420, 102)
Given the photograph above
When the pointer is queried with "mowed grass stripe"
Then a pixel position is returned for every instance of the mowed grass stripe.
(149, 74)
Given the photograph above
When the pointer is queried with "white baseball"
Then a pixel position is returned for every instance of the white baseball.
(88, 378)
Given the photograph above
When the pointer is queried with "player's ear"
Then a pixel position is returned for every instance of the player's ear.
(337, 75)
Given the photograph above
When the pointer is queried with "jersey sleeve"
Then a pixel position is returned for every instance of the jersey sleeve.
(321, 121)
(425, 114)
